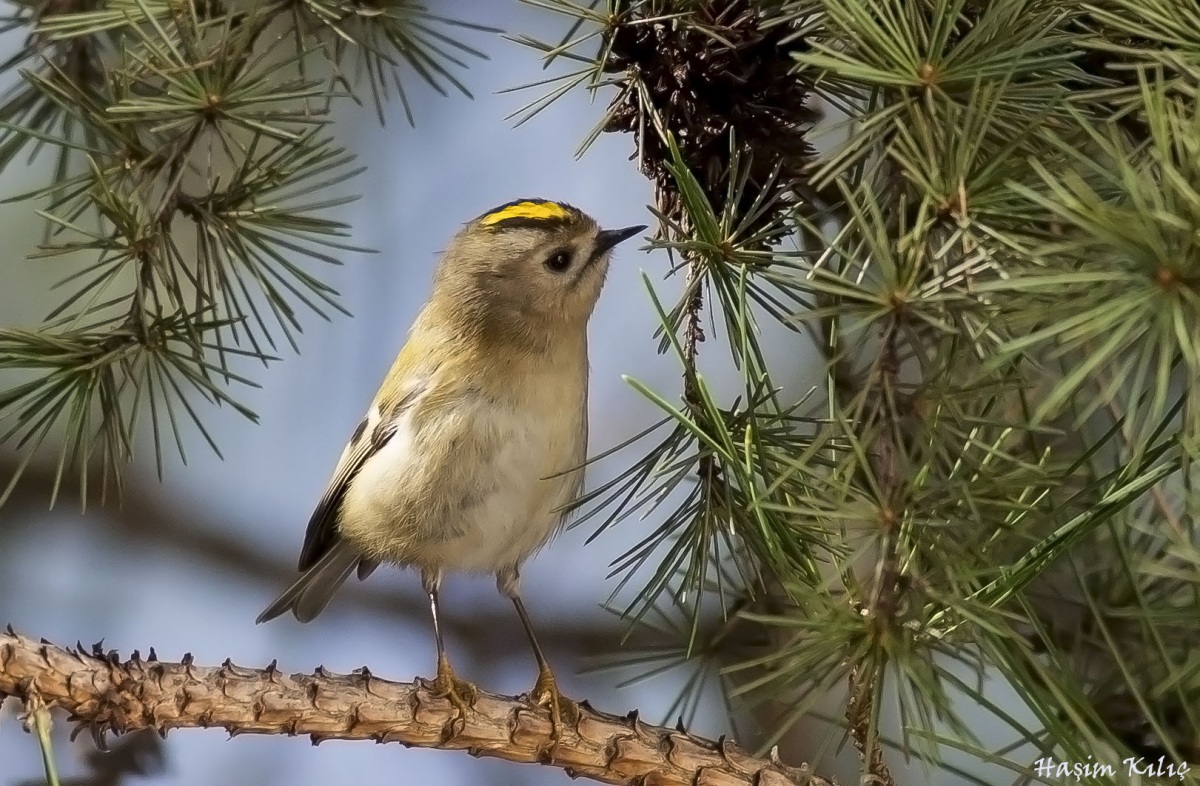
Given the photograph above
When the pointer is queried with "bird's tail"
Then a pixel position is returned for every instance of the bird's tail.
(309, 595)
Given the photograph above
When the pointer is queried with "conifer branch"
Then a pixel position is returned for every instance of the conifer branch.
(104, 694)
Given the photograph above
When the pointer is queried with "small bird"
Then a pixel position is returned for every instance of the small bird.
(475, 442)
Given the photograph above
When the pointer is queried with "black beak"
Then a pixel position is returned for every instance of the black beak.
(610, 237)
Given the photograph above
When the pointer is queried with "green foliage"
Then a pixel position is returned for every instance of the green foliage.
(997, 259)
(189, 200)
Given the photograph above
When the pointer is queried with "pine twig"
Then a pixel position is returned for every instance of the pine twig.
(104, 693)
(865, 678)
(860, 708)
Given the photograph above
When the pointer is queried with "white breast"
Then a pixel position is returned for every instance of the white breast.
(516, 512)
(472, 491)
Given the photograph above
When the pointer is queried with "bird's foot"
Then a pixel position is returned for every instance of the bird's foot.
(460, 693)
(564, 713)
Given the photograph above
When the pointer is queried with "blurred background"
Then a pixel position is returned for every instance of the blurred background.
(186, 565)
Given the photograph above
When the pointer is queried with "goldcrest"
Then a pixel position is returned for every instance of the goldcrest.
(475, 442)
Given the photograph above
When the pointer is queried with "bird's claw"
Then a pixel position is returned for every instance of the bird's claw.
(460, 693)
(564, 713)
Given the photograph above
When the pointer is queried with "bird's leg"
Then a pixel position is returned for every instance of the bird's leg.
(563, 712)
(446, 685)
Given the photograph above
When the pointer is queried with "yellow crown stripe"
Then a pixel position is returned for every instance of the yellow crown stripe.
(538, 211)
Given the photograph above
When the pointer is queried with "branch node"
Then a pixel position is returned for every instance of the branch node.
(800, 775)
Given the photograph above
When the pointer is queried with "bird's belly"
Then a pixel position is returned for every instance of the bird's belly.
(476, 502)
(496, 532)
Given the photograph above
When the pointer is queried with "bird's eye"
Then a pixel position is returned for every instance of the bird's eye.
(559, 261)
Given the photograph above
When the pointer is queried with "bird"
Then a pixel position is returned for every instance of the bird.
(473, 449)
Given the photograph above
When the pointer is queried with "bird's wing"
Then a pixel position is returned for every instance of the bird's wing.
(369, 437)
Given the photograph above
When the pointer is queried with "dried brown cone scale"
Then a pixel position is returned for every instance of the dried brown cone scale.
(717, 73)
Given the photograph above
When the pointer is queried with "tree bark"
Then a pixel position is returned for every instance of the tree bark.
(105, 694)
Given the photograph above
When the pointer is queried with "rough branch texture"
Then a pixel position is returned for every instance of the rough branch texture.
(106, 694)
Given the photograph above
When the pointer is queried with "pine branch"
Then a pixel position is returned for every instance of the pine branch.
(105, 694)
